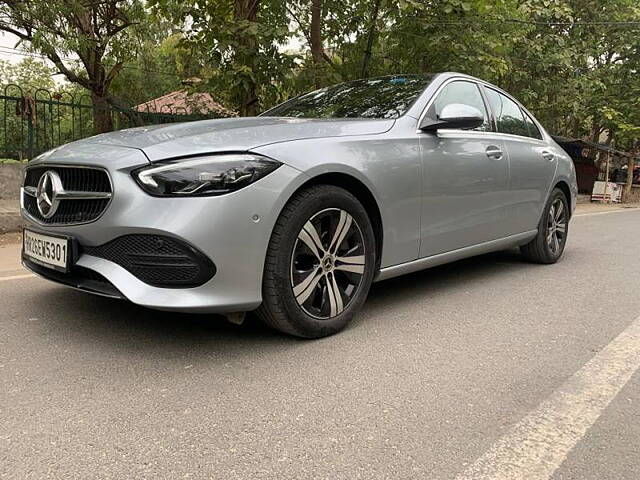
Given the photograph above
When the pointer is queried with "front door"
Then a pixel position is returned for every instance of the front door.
(465, 178)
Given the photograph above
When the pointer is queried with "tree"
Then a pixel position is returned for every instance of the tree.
(371, 32)
(313, 19)
(29, 74)
(239, 43)
(316, 42)
(576, 62)
(155, 71)
(90, 30)
(564, 59)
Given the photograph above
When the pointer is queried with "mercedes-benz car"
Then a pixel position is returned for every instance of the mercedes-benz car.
(295, 213)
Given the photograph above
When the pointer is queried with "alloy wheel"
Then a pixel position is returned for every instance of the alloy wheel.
(556, 226)
(327, 263)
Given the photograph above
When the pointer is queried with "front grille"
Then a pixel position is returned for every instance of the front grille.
(69, 211)
(81, 179)
(85, 181)
(157, 260)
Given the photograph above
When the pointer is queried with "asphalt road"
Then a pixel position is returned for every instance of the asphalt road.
(440, 366)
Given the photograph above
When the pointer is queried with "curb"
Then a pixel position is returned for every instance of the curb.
(10, 222)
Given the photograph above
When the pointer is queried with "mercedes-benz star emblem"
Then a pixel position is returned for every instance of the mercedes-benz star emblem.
(46, 194)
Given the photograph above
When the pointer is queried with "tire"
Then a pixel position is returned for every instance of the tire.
(553, 228)
(314, 292)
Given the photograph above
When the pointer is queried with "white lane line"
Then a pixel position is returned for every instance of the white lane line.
(632, 209)
(535, 447)
(16, 277)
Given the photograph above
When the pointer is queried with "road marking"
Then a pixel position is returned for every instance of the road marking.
(535, 447)
(16, 277)
(606, 212)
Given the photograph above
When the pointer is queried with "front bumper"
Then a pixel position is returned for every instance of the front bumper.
(231, 230)
(78, 277)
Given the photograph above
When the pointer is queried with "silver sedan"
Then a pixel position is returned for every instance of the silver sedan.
(296, 212)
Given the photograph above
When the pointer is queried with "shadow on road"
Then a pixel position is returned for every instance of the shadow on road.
(126, 326)
(464, 273)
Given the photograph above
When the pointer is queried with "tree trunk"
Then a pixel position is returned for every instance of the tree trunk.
(630, 167)
(247, 11)
(102, 120)
(596, 131)
(627, 187)
(315, 37)
(370, 37)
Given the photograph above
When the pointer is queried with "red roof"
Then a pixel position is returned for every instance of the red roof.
(181, 102)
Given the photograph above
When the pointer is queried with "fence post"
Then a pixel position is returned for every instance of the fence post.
(30, 137)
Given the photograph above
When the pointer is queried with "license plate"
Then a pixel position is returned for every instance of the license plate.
(46, 250)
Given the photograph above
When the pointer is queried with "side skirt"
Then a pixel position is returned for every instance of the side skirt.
(454, 255)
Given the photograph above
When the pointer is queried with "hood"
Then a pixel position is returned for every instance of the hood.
(159, 142)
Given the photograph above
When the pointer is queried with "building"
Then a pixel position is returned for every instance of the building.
(590, 160)
(181, 102)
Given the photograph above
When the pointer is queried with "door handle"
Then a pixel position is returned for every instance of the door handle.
(494, 152)
(550, 156)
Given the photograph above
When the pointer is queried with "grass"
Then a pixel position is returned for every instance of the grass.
(9, 161)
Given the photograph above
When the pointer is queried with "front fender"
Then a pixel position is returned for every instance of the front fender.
(389, 167)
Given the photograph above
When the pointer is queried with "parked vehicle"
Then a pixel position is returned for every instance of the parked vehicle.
(296, 212)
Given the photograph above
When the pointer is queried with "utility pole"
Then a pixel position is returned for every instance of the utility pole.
(606, 179)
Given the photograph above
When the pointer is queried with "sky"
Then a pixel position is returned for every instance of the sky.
(8, 40)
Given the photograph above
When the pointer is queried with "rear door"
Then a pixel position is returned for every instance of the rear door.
(532, 162)
(465, 177)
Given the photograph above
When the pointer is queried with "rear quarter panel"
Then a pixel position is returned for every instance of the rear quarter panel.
(565, 172)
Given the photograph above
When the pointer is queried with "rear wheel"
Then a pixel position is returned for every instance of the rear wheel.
(549, 243)
(320, 263)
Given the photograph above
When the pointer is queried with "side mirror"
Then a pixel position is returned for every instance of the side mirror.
(454, 115)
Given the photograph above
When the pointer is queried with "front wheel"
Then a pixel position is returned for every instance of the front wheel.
(549, 243)
(320, 263)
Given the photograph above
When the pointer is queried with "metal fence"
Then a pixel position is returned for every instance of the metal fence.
(35, 122)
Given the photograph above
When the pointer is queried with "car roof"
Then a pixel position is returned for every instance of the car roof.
(440, 76)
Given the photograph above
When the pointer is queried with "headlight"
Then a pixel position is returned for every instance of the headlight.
(204, 176)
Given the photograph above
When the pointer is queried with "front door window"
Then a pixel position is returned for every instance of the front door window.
(466, 93)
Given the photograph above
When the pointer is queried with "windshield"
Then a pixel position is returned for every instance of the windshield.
(385, 97)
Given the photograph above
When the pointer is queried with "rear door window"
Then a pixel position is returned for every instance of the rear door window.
(509, 117)
(534, 131)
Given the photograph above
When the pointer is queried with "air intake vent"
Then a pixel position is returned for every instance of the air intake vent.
(157, 260)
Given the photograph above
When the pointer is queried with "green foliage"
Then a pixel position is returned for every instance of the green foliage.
(237, 49)
(30, 78)
(77, 36)
(29, 74)
(155, 71)
(564, 59)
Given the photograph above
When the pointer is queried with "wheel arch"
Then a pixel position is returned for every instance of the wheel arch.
(364, 195)
(564, 186)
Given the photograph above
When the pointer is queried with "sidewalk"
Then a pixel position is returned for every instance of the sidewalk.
(583, 208)
(10, 220)
(10, 246)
